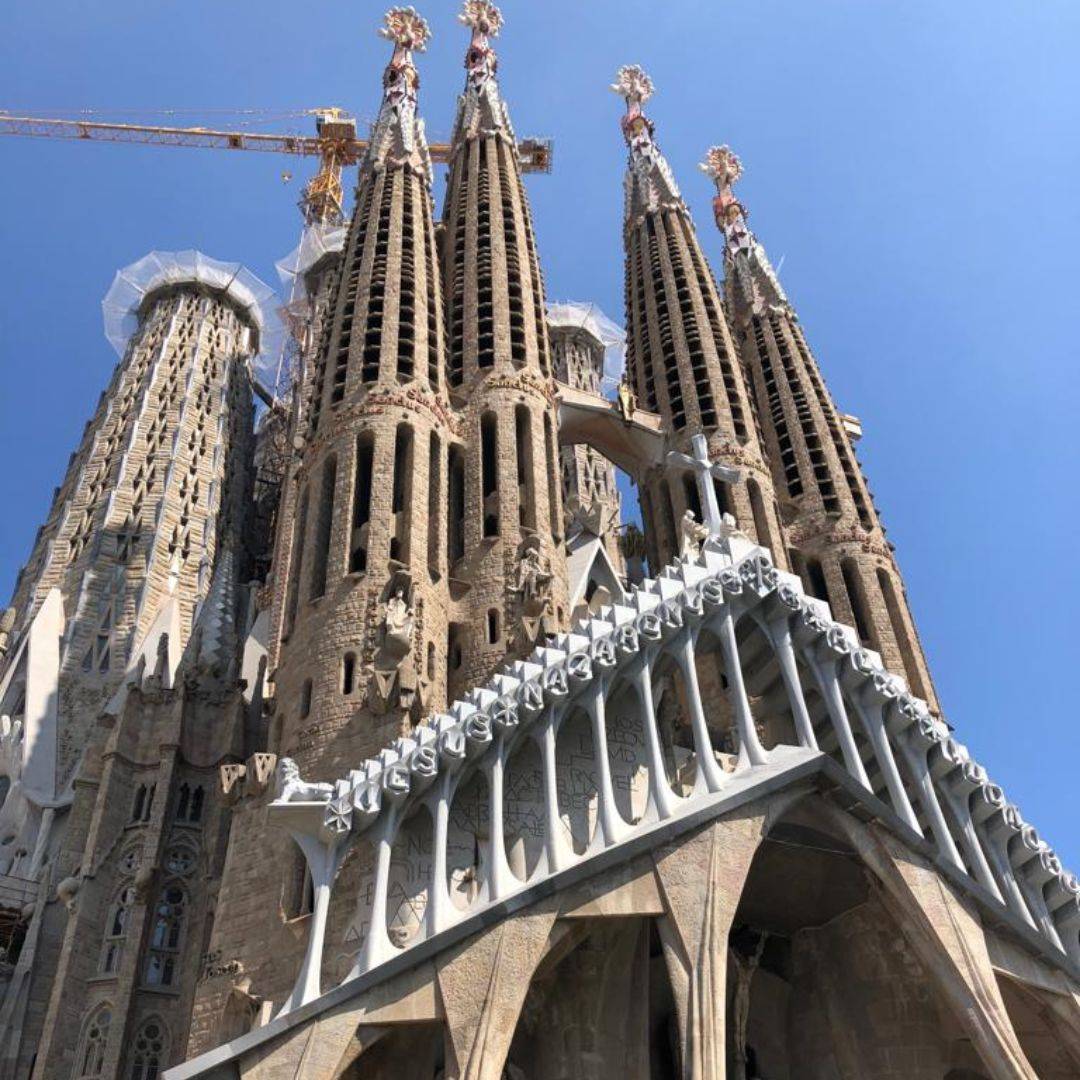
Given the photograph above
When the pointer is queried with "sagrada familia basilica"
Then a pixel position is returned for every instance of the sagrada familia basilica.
(360, 738)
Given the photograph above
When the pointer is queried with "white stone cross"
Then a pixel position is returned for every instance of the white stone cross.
(704, 470)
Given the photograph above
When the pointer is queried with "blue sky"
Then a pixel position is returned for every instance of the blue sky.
(915, 164)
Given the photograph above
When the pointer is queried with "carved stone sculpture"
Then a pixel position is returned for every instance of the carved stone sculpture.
(627, 399)
(7, 624)
(398, 624)
(533, 586)
(291, 788)
(693, 534)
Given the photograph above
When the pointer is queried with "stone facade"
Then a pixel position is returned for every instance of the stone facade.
(334, 782)
(141, 565)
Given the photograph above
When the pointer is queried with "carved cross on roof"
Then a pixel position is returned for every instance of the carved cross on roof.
(704, 469)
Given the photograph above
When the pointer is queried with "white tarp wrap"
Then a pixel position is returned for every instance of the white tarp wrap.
(591, 319)
(163, 268)
(316, 242)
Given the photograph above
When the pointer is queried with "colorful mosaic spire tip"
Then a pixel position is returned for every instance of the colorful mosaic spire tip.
(406, 28)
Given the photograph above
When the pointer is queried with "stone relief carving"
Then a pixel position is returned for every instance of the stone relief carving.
(533, 589)
(693, 535)
(7, 625)
(394, 674)
(291, 788)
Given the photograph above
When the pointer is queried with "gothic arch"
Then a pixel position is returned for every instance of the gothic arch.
(93, 1044)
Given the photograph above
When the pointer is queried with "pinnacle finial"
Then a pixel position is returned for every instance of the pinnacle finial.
(634, 85)
(722, 165)
(406, 28)
(481, 16)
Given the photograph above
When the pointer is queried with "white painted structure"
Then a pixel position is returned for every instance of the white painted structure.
(561, 758)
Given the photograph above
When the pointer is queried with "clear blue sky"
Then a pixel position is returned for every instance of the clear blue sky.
(915, 163)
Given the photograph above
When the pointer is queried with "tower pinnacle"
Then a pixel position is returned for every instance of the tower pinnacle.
(481, 109)
(398, 134)
(650, 183)
(754, 286)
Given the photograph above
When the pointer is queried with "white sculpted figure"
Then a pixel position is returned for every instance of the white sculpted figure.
(290, 788)
(398, 623)
(694, 534)
(534, 580)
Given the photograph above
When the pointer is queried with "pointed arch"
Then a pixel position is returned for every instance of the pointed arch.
(93, 1042)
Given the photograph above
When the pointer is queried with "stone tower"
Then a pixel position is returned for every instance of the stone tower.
(505, 506)
(366, 595)
(680, 359)
(588, 478)
(834, 536)
(121, 675)
(157, 484)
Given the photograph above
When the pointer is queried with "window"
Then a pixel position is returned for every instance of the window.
(553, 477)
(401, 499)
(455, 531)
(431, 660)
(857, 600)
(348, 673)
(305, 698)
(297, 561)
(489, 472)
(149, 1052)
(298, 891)
(323, 523)
(189, 803)
(358, 547)
(161, 959)
(492, 626)
(815, 580)
(757, 508)
(434, 502)
(690, 494)
(143, 801)
(112, 946)
(525, 482)
(90, 1060)
(180, 860)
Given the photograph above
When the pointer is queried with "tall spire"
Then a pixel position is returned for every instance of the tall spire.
(398, 134)
(650, 184)
(832, 529)
(753, 285)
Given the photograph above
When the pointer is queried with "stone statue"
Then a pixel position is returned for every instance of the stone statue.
(729, 529)
(398, 623)
(627, 399)
(694, 534)
(290, 788)
(7, 624)
(534, 580)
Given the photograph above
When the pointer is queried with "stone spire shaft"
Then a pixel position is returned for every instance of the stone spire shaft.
(681, 359)
(363, 600)
(832, 527)
(505, 495)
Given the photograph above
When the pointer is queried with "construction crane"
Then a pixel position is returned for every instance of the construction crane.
(335, 143)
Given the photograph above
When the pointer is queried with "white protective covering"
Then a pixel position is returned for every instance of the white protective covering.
(316, 242)
(589, 317)
(160, 269)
